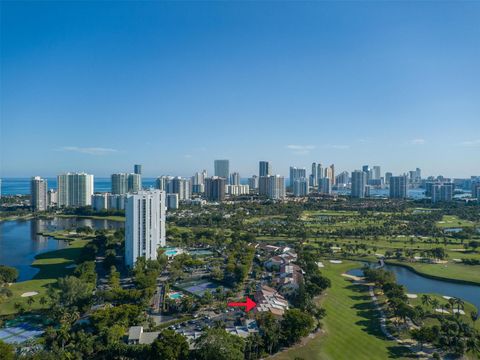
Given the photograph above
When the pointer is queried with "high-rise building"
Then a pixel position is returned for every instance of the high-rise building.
(359, 183)
(237, 190)
(398, 187)
(476, 190)
(324, 186)
(300, 187)
(116, 201)
(180, 186)
(161, 183)
(235, 178)
(144, 225)
(442, 192)
(296, 173)
(75, 189)
(263, 185)
(100, 201)
(264, 168)
(215, 188)
(137, 169)
(38, 187)
(330, 174)
(123, 183)
(320, 174)
(376, 172)
(314, 175)
(388, 175)
(52, 198)
(253, 182)
(276, 187)
(198, 182)
(222, 168)
(342, 179)
(172, 201)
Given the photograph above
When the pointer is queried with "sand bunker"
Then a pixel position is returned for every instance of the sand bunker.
(336, 261)
(412, 296)
(30, 293)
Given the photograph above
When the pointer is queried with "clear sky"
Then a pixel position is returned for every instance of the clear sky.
(99, 86)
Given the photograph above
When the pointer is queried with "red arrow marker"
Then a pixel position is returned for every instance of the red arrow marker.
(249, 304)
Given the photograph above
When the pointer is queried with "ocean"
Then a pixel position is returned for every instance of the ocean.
(21, 186)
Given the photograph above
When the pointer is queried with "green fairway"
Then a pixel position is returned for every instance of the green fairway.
(450, 221)
(52, 265)
(352, 325)
(94, 217)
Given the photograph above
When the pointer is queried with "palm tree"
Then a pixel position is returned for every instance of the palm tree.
(426, 300)
(435, 303)
(460, 305)
(43, 300)
(30, 301)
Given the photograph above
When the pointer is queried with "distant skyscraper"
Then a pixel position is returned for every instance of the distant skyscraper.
(137, 169)
(123, 183)
(75, 189)
(52, 198)
(161, 183)
(300, 187)
(296, 173)
(264, 168)
(388, 175)
(376, 173)
(100, 201)
(253, 182)
(172, 201)
(398, 187)
(324, 186)
(180, 186)
(235, 178)
(442, 192)
(314, 175)
(144, 225)
(320, 174)
(342, 179)
(38, 192)
(330, 174)
(276, 187)
(263, 185)
(198, 182)
(215, 188)
(359, 181)
(222, 168)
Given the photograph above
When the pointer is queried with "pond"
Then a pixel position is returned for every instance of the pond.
(415, 283)
(20, 242)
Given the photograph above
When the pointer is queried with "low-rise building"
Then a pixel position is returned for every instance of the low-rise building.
(269, 299)
(136, 336)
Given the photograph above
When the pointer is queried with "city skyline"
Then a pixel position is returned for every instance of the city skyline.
(174, 86)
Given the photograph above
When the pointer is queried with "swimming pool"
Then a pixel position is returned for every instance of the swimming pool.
(175, 295)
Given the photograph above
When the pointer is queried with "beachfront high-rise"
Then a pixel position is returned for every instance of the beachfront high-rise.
(398, 187)
(137, 169)
(123, 183)
(144, 225)
(38, 191)
(222, 168)
(264, 168)
(359, 182)
(75, 189)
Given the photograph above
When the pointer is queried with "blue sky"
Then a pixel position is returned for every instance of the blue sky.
(99, 86)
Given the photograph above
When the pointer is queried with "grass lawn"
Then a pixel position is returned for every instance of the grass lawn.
(452, 221)
(95, 217)
(52, 265)
(352, 325)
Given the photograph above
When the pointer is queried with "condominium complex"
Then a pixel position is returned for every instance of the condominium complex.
(296, 173)
(215, 188)
(38, 187)
(222, 168)
(324, 186)
(123, 183)
(264, 168)
(75, 189)
(300, 187)
(235, 178)
(144, 225)
(276, 187)
(359, 183)
(398, 187)
(442, 192)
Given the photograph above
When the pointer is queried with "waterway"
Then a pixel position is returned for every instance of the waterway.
(20, 242)
(415, 283)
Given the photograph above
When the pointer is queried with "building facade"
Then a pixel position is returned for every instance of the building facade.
(75, 189)
(359, 182)
(398, 187)
(38, 191)
(222, 168)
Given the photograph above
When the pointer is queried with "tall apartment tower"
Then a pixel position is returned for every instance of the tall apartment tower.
(442, 192)
(38, 190)
(359, 182)
(324, 186)
(222, 168)
(398, 187)
(215, 188)
(123, 183)
(376, 172)
(296, 173)
(137, 169)
(144, 225)
(300, 187)
(75, 189)
(314, 175)
(264, 168)
(180, 186)
(320, 174)
(235, 178)
(276, 187)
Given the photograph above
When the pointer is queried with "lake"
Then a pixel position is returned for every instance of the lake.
(415, 283)
(19, 242)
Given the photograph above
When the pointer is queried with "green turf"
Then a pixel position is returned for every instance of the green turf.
(52, 265)
(352, 325)
(95, 217)
(451, 221)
